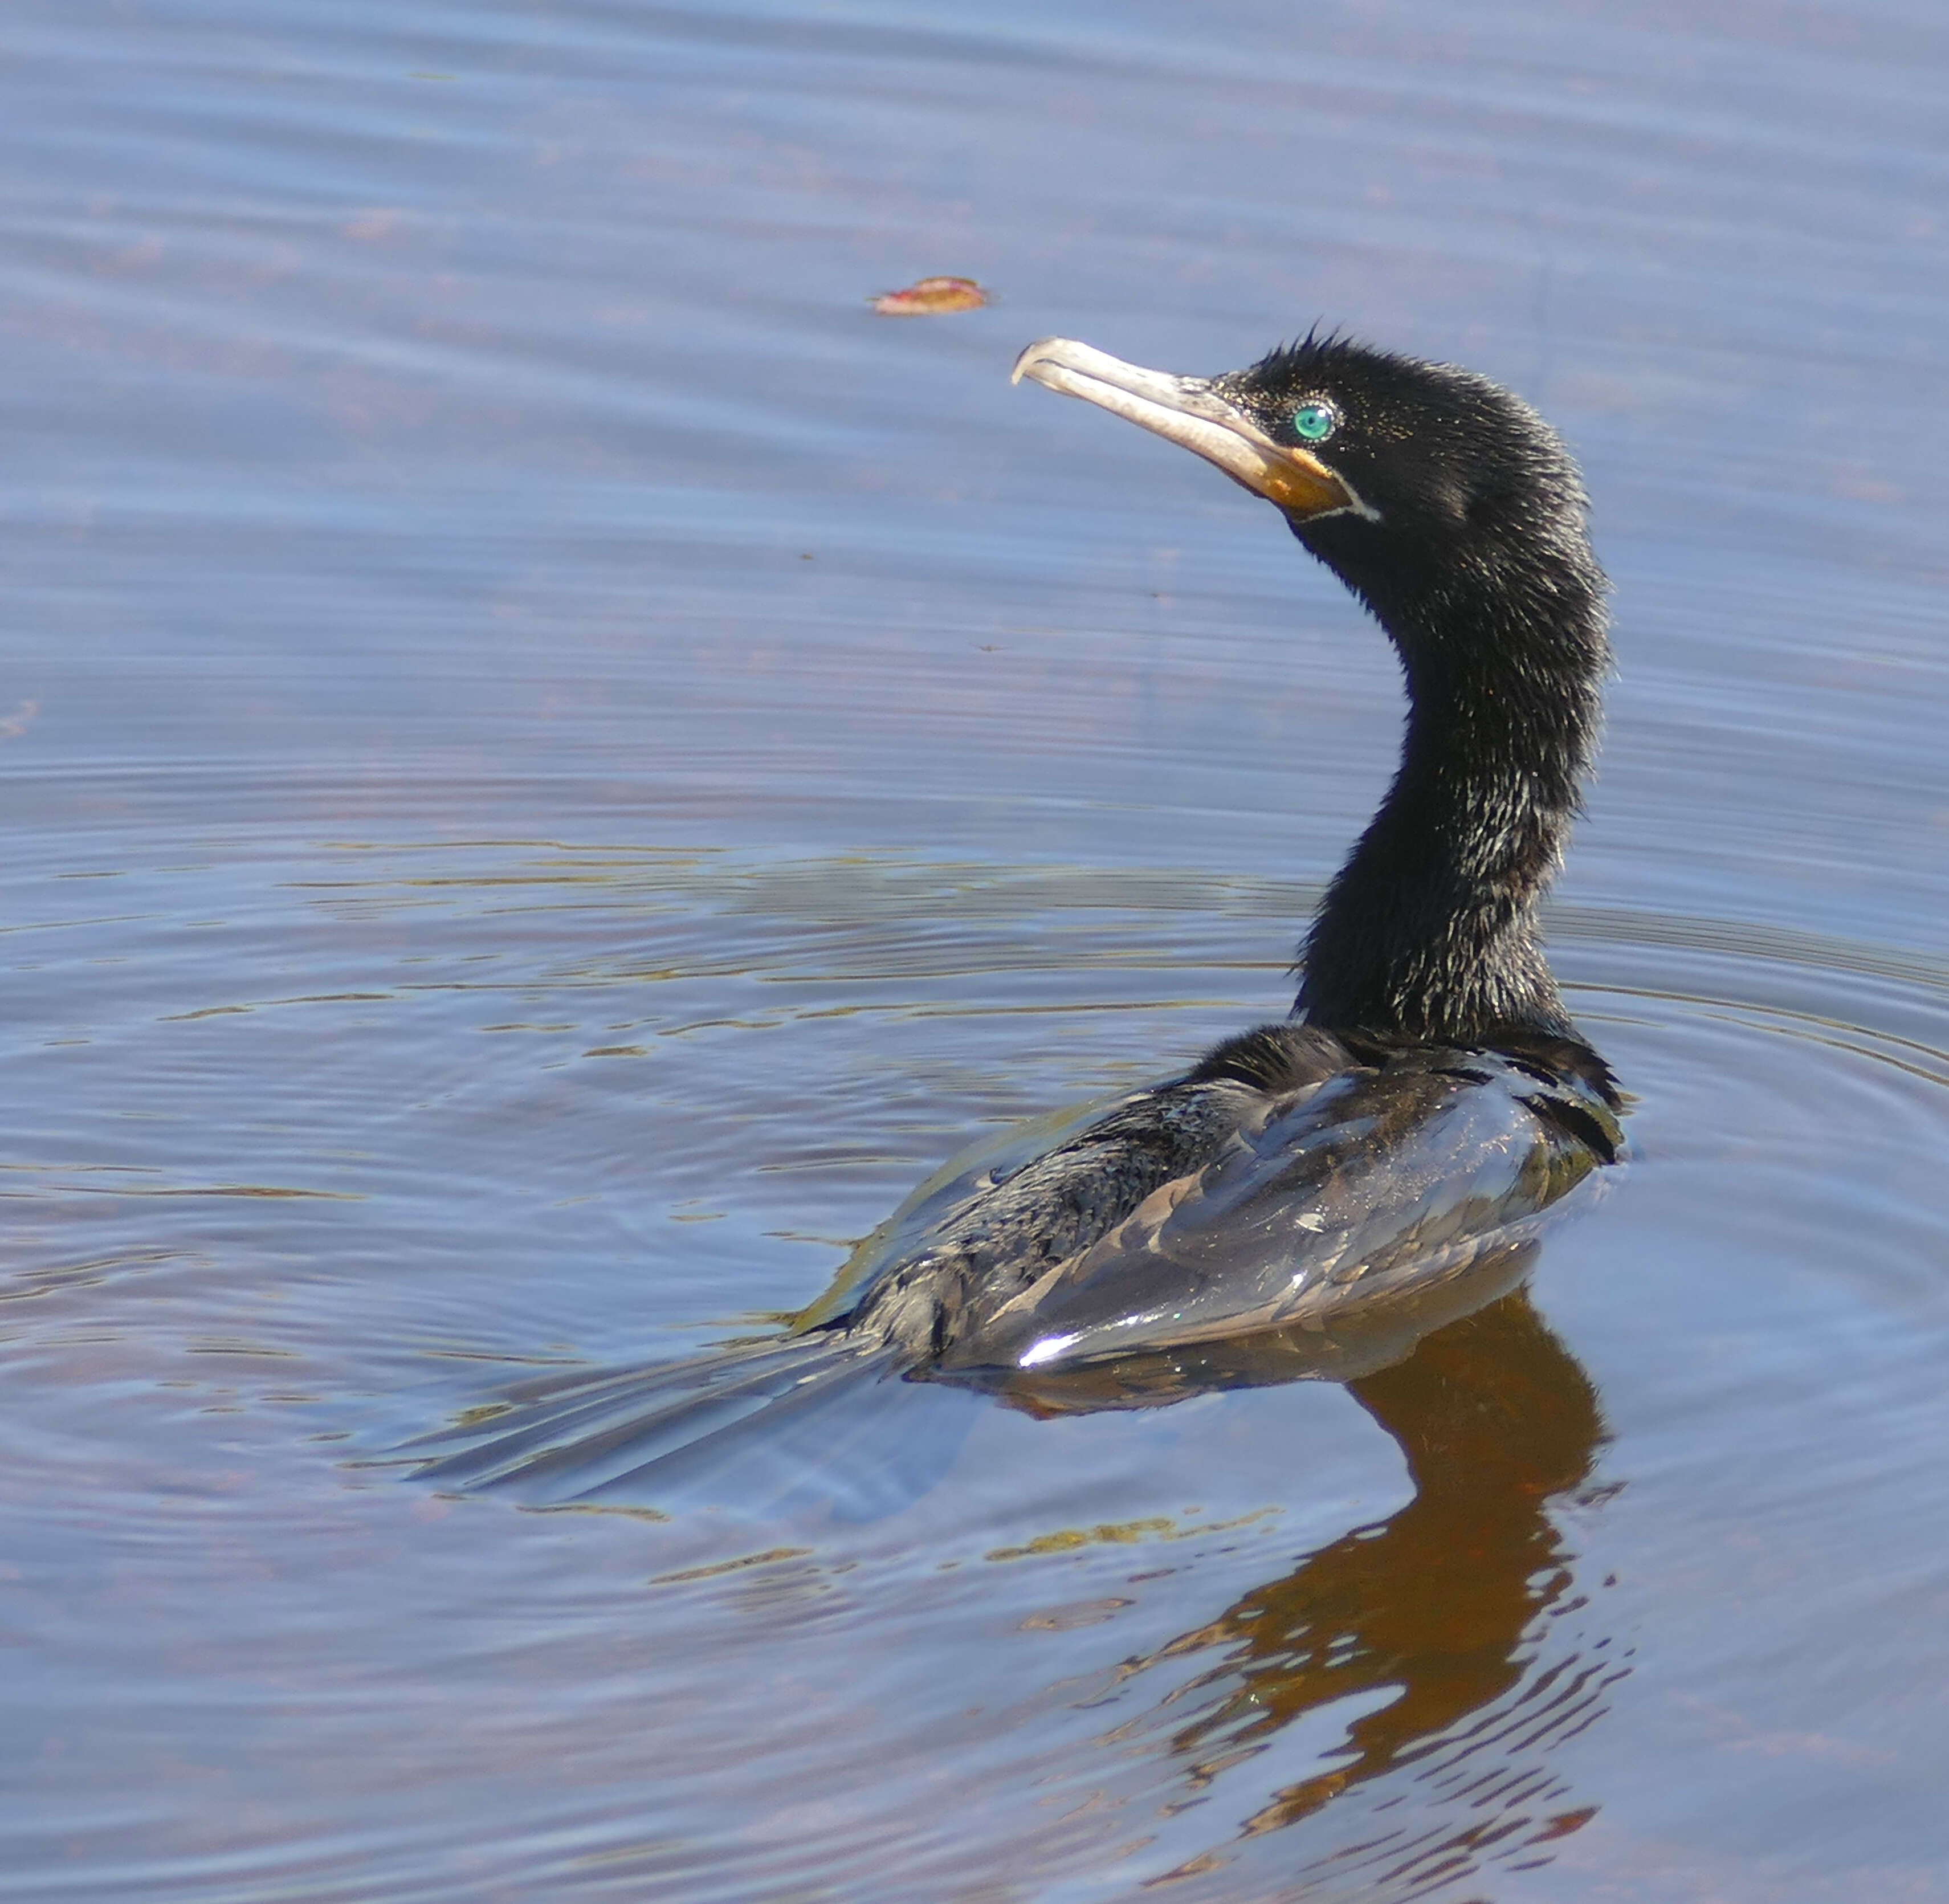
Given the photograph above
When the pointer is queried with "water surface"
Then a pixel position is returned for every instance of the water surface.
(555, 766)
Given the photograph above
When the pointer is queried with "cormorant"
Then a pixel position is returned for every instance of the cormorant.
(1427, 1101)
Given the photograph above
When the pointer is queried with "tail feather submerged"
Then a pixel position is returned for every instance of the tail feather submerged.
(804, 1406)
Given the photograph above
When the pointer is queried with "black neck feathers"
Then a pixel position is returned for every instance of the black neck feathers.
(1495, 606)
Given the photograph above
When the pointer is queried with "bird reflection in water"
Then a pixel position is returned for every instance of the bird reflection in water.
(1445, 1605)
(1438, 1627)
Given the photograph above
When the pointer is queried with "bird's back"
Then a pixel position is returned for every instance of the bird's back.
(1292, 1172)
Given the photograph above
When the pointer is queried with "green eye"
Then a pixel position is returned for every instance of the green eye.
(1314, 422)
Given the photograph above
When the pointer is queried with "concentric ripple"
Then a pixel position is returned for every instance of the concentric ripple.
(1302, 1641)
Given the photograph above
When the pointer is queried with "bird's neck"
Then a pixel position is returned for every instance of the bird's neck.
(1430, 929)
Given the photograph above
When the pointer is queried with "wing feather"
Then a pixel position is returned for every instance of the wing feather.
(1379, 1179)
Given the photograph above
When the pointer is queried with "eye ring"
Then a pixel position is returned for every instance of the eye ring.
(1315, 422)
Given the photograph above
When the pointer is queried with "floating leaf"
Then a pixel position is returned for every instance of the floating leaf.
(929, 297)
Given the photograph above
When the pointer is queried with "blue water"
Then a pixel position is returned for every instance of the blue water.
(556, 765)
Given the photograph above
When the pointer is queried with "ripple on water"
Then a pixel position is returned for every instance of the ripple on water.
(1226, 1642)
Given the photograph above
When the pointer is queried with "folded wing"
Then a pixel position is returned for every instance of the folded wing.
(1377, 1181)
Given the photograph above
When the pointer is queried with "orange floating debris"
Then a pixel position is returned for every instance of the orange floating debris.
(929, 297)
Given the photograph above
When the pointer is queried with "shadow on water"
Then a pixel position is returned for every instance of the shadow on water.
(1435, 1611)
(1425, 1644)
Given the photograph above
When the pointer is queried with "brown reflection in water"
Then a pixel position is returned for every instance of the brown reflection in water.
(1440, 1603)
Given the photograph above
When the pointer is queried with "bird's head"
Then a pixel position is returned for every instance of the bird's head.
(1430, 491)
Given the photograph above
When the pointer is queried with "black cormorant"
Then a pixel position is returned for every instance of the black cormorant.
(1428, 1100)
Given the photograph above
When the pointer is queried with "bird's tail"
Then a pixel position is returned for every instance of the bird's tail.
(783, 1415)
